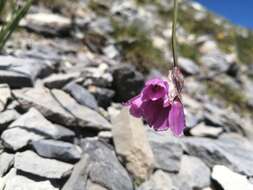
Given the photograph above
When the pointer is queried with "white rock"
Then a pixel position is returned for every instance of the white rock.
(230, 180)
(131, 142)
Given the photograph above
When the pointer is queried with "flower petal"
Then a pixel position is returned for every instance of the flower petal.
(135, 106)
(177, 118)
(155, 89)
(156, 115)
(162, 120)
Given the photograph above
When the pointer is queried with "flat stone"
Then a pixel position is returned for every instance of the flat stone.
(227, 119)
(32, 126)
(48, 24)
(167, 151)
(30, 162)
(222, 152)
(203, 130)
(193, 174)
(100, 165)
(131, 142)
(57, 149)
(5, 95)
(6, 160)
(188, 66)
(78, 178)
(21, 72)
(81, 95)
(34, 120)
(7, 117)
(16, 181)
(229, 180)
(158, 181)
(84, 115)
(59, 80)
(60, 108)
(17, 138)
(106, 164)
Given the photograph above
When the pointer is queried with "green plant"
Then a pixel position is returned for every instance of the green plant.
(141, 2)
(188, 51)
(244, 46)
(140, 51)
(8, 26)
(230, 96)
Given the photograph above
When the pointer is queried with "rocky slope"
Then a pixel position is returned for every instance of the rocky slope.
(67, 70)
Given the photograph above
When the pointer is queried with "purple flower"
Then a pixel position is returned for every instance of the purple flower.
(155, 89)
(177, 118)
(154, 106)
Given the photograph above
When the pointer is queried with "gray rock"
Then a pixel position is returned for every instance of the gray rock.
(41, 51)
(5, 95)
(229, 180)
(111, 51)
(32, 126)
(98, 76)
(57, 149)
(127, 82)
(100, 166)
(47, 24)
(188, 66)
(17, 138)
(158, 181)
(81, 95)
(21, 72)
(104, 96)
(248, 89)
(229, 120)
(101, 25)
(7, 117)
(104, 167)
(34, 120)
(222, 152)
(203, 130)
(191, 120)
(15, 181)
(59, 80)
(94, 186)
(215, 62)
(193, 174)
(60, 108)
(6, 161)
(167, 151)
(79, 177)
(30, 162)
(131, 142)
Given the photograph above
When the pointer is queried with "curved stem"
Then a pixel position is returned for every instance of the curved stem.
(174, 40)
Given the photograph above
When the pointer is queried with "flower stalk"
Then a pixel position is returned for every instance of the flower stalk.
(174, 39)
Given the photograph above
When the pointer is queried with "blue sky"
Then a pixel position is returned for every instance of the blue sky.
(237, 11)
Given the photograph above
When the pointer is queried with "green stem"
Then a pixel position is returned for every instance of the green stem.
(7, 30)
(174, 40)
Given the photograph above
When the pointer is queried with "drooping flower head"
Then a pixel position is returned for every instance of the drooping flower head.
(155, 105)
